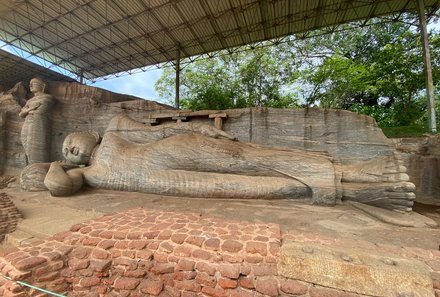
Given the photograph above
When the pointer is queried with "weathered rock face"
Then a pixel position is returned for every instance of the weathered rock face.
(76, 107)
(422, 158)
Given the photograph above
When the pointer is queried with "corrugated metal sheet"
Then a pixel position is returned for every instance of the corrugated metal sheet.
(102, 37)
(14, 69)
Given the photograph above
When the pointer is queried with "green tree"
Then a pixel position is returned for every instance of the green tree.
(253, 78)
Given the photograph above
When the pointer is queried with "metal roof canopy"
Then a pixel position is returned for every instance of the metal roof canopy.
(96, 38)
(14, 69)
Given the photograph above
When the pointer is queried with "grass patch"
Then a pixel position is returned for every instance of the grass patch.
(405, 131)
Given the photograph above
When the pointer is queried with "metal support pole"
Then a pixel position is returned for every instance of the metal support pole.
(177, 103)
(81, 77)
(428, 68)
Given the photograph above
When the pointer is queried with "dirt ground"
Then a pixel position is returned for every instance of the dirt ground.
(45, 215)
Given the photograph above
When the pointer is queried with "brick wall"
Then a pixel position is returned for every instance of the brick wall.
(9, 214)
(154, 253)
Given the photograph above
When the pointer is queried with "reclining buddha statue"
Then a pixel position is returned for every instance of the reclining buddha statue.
(194, 160)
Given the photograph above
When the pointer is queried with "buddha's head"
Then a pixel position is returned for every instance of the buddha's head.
(78, 147)
(37, 85)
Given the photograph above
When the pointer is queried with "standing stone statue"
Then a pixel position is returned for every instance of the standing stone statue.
(36, 130)
(189, 159)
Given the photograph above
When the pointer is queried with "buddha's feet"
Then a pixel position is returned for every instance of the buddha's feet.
(396, 196)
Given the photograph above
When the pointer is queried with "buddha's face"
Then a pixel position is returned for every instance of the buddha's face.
(37, 85)
(78, 147)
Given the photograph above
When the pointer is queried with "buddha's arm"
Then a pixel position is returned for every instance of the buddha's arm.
(60, 182)
(28, 108)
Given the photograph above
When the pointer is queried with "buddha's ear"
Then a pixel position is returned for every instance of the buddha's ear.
(96, 135)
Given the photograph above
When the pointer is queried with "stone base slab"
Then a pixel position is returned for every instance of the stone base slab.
(354, 271)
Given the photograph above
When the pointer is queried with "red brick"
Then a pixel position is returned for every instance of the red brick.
(205, 279)
(202, 254)
(162, 268)
(100, 265)
(247, 282)
(29, 263)
(151, 234)
(120, 235)
(177, 226)
(76, 227)
(89, 281)
(227, 283)
(77, 264)
(161, 226)
(100, 254)
(229, 270)
(144, 254)
(167, 247)
(106, 244)
(125, 283)
(184, 275)
(138, 273)
(178, 238)
(137, 244)
(91, 241)
(232, 246)
(173, 258)
(129, 254)
(81, 252)
(160, 257)
(239, 292)
(48, 277)
(206, 267)
(253, 259)
(265, 269)
(292, 287)
(129, 263)
(233, 258)
(171, 291)
(254, 247)
(86, 272)
(121, 244)
(189, 294)
(134, 235)
(261, 238)
(85, 229)
(267, 286)
(214, 292)
(182, 251)
(212, 244)
(188, 285)
(107, 234)
(152, 287)
(185, 265)
(165, 234)
(195, 240)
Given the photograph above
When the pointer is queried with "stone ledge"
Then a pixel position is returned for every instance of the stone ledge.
(354, 270)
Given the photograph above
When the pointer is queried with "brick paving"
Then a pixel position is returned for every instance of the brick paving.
(144, 252)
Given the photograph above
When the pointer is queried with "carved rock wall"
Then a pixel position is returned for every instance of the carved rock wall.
(422, 159)
(347, 136)
(77, 108)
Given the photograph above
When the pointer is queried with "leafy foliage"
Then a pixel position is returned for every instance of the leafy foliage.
(375, 70)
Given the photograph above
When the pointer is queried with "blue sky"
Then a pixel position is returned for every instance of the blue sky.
(138, 84)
